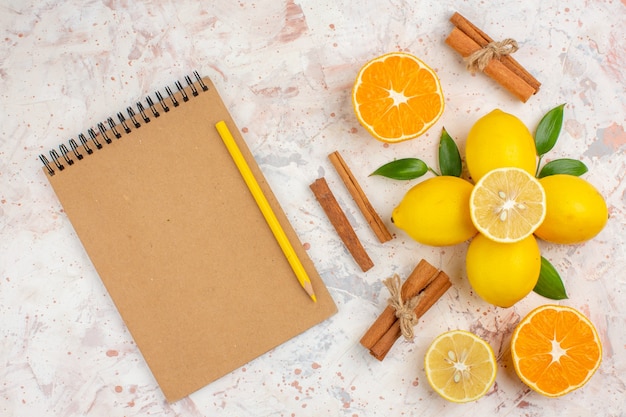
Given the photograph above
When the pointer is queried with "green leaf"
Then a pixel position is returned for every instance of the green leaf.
(563, 166)
(550, 284)
(449, 156)
(548, 130)
(402, 169)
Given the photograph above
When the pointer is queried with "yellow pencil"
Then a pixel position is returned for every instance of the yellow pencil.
(265, 208)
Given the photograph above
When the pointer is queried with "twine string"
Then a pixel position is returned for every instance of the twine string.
(478, 60)
(404, 311)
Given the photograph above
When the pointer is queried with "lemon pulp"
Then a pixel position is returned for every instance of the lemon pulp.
(460, 366)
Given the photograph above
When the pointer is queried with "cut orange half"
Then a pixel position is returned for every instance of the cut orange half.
(460, 366)
(397, 97)
(507, 204)
(555, 350)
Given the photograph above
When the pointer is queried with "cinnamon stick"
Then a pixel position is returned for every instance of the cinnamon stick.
(421, 276)
(361, 200)
(341, 224)
(465, 46)
(482, 39)
(429, 296)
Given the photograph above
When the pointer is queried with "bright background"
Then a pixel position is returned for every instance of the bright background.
(285, 70)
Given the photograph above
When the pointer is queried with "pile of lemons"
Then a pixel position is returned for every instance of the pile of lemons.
(505, 206)
(503, 209)
(508, 204)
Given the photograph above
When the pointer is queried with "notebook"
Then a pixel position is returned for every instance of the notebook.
(178, 240)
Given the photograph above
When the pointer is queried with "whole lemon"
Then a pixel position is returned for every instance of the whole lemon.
(499, 140)
(575, 210)
(435, 212)
(503, 273)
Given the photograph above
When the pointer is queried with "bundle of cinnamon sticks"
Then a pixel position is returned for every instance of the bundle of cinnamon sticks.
(426, 282)
(466, 39)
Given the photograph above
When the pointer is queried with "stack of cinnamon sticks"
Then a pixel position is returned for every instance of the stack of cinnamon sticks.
(426, 282)
(466, 39)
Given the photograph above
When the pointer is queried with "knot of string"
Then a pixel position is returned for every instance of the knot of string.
(478, 60)
(404, 311)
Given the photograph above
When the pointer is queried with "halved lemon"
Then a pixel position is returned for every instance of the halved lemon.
(507, 204)
(460, 366)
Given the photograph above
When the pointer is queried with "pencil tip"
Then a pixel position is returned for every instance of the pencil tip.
(314, 298)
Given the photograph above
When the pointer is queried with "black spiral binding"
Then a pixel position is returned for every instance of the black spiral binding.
(67, 156)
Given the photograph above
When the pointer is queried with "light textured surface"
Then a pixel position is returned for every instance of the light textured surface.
(285, 69)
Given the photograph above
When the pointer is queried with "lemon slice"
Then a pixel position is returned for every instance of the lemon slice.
(507, 204)
(460, 366)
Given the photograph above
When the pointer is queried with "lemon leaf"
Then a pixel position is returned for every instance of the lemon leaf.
(563, 166)
(402, 169)
(449, 156)
(550, 284)
(548, 130)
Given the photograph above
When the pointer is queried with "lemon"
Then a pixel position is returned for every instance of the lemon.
(507, 204)
(575, 210)
(460, 366)
(435, 212)
(503, 273)
(498, 140)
